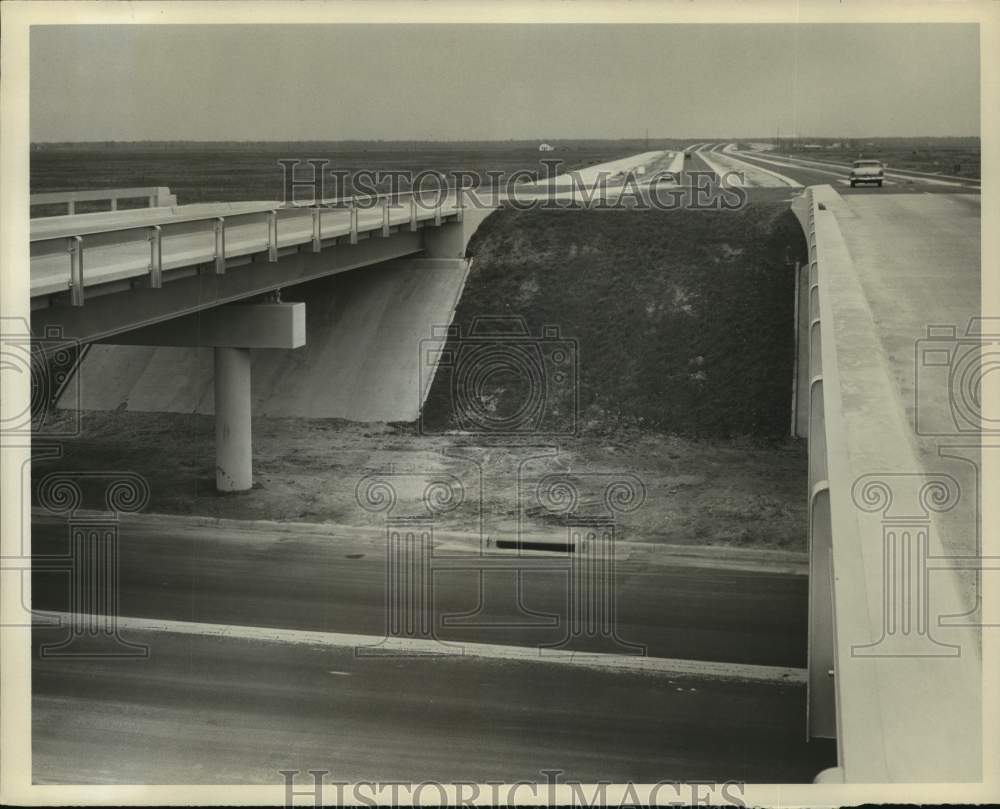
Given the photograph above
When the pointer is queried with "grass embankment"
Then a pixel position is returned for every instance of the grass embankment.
(682, 320)
(683, 327)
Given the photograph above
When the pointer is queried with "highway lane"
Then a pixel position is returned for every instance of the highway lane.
(695, 163)
(807, 175)
(917, 259)
(224, 709)
(213, 710)
(892, 172)
(815, 173)
(303, 581)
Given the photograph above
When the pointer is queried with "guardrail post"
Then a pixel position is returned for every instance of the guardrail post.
(155, 257)
(317, 240)
(437, 210)
(114, 203)
(821, 708)
(795, 352)
(272, 235)
(413, 212)
(220, 245)
(385, 216)
(70, 207)
(460, 203)
(354, 222)
(76, 270)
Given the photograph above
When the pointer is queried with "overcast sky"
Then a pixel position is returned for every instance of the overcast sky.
(331, 82)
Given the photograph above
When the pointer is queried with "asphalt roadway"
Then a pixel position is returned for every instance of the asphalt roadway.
(818, 172)
(245, 692)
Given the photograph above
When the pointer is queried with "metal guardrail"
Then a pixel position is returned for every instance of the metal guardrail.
(155, 197)
(72, 236)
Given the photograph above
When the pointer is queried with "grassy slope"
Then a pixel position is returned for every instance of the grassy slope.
(682, 319)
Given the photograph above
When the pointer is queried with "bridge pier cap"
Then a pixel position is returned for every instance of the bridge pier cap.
(232, 331)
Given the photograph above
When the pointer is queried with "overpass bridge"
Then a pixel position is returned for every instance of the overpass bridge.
(210, 276)
(888, 393)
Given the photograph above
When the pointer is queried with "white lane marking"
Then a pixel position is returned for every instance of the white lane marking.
(340, 673)
(781, 177)
(790, 165)
(912, 176)
(725, 176)
(382, 646)
(910, 179)
(918, 179)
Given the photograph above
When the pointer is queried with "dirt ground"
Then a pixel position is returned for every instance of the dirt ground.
(736, 493)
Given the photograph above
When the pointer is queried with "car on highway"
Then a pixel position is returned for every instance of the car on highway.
(867, 171)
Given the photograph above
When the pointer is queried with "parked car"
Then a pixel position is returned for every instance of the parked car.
(867, 171)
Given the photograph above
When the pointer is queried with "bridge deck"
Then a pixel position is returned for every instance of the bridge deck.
(917, 258)
(894, 484)
(116, 244)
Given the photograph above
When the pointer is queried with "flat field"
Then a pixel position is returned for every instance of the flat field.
(205, 172)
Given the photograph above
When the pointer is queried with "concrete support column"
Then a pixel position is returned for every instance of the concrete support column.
(233, 442)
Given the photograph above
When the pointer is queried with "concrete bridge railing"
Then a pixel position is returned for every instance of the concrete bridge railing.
(134, 244)
(894, 662)
(154, 197)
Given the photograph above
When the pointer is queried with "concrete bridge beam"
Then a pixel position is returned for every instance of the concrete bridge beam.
(231, 331)
(451, 240)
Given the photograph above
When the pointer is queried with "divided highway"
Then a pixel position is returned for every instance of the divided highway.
(209, 708)
(821, 172)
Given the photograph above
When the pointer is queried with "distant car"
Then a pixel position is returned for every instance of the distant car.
(687, 154)
(664, 177)
(867, 171)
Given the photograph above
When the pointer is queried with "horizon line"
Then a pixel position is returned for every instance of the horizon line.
(766, 139)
